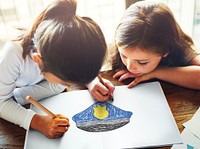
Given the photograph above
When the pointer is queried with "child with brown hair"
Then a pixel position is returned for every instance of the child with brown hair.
(151, 44)
(61, 48)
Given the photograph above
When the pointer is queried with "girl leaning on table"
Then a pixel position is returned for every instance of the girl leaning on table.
(150, 44)
(61, 48)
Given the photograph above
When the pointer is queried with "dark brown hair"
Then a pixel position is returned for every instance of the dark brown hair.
(151, 26)
(71, 47)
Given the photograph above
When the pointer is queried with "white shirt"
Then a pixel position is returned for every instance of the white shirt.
(21, 77)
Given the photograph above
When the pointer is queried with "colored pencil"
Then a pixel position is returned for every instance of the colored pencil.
(37, 104)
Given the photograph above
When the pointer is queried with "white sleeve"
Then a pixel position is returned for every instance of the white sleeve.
(10, 62)
(38, 91)
(10, 66)
(15, 113)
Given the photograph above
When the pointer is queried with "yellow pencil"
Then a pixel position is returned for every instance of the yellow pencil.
(34, 102)
(101, 80)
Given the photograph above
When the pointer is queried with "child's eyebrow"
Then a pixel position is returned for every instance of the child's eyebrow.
(146, 60)
(143, 60)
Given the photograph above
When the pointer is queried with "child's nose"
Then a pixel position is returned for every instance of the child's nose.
(131, 65)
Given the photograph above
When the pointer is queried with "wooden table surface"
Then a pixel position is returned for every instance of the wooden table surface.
(183, 103)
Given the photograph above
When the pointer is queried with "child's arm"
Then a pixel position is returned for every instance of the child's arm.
(183, 76)
(10, 62)
(188, 76)
(38, 91)
(99, 91)
(15, 113)
(51, 127)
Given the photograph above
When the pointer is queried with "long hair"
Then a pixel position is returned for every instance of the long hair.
(151, 26)
(71, 47)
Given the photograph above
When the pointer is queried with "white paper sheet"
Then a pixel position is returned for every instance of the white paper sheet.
(191, 133)
(151, 124)
(194, 124)
(189, 141)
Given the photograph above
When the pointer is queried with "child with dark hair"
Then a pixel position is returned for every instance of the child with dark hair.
(150, 44)
(61, 48)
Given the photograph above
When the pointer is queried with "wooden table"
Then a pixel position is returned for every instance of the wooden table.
(183, 103)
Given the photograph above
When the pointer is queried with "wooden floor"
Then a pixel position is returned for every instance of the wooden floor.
(183, 103)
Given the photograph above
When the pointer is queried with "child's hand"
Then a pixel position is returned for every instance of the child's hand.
(142, 78)
(99, 91)
(51, 127)
(123, 74)
(139, 79)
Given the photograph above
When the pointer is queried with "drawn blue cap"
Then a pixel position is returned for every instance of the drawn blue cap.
(101, 116)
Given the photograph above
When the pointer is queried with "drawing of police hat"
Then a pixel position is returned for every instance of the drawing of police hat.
(101, 116)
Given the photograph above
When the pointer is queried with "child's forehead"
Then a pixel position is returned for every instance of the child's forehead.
(137, 53)
(137, 50)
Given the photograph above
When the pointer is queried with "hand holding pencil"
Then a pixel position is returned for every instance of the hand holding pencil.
(52, 125)
(111, 94)
(101, 89)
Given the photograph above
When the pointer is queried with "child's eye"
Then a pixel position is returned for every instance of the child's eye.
(143, 63)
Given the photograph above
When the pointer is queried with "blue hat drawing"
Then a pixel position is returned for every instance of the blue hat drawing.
(101, 116)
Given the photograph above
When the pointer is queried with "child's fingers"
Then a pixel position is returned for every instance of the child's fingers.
(110, 87)
(61, 129)
(103, 89)
(58, 135)
(61, 116)
(99, 96)
(139, 79)
(100, 91)
(111, 90)
(126, 76)
(119, 73)
(134, 83)
(62, 122)
(58, 130)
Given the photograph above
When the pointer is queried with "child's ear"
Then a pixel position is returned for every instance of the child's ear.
(37, 58)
